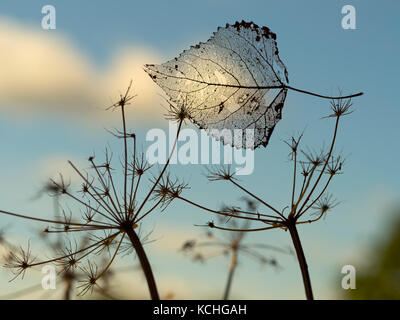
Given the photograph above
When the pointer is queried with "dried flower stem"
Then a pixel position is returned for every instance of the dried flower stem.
(125, 158)
(68, 289)
(54, 221)
(302, 260)
(232, 268)
(222, 213)
(96, 245)
(112, 259)
(257, 198)
(323, 96)
(323, 169)
(144, 262)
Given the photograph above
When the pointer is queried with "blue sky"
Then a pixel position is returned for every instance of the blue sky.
(320, 56)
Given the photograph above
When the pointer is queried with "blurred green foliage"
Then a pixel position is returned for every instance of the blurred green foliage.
(380, 279)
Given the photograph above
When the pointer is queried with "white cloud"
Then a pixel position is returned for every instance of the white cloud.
(43, 72)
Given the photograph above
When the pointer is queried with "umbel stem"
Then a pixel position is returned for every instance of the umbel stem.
(68, 289)
(302, 260)
(323, 96)
(144, 262)
(280, 86)
(232, 268)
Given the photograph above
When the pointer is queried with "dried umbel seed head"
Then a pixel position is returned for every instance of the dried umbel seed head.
(51, 189)
(335, 165)
(341, 107)
(188, 245)
(179, 112)
(293, 144)
(324, 204)
(91, 276)
(88, 214)
(107, 241)
(124, 99)
(168, 189)
(220, 173)
(85, 188)
(139, 166)
(19, 261)
(68, 251)
(68, 263)
(306, 168)
(59, 187)
(316, 159)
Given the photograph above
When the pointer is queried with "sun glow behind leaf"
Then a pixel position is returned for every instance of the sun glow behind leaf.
(235, 80)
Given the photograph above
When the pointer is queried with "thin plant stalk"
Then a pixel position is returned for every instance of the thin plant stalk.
(68, 289)
(145, 264)
(232, 268)
(302, 261)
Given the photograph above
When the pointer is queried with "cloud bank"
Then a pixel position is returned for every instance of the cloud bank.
(43, 72)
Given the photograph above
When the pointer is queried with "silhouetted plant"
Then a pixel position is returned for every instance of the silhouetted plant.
(231, 244)
(109, 213)
(236, 80)
(61, 245)
(70, 276)
(309, 196)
